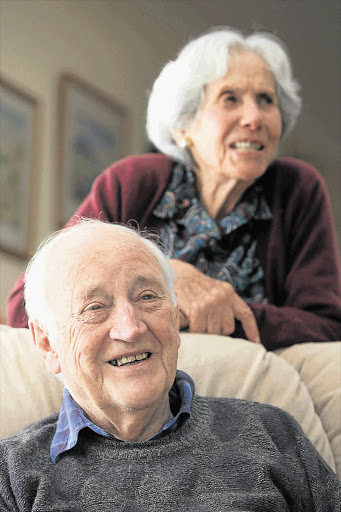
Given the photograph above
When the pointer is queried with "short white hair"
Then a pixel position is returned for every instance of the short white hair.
(37, 272)
(179, 91)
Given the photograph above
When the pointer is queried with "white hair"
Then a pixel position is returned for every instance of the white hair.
(179, 91)
(37, 272)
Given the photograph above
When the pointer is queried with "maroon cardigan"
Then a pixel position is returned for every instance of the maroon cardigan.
(297, 248)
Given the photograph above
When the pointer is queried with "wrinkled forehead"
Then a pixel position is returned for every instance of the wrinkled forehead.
(84, 259)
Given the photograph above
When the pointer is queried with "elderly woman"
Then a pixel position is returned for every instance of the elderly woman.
(250, 237)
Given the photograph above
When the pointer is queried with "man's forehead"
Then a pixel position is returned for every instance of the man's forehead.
(98, 243)
(93, 255)
(86, 260)
(92, 287)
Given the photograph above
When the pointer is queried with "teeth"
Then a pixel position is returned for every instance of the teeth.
(129, 359)
(247, 146)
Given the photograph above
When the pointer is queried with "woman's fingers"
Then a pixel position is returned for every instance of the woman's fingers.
(209, 310)
(244, 314)
(210, 306)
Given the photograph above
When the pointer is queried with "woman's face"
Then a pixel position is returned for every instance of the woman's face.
(239, 125)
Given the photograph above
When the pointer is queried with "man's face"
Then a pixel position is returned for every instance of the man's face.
(113, 306)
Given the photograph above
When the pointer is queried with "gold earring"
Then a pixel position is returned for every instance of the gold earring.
(186, 143)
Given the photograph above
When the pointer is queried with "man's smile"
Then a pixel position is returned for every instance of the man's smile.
(128, 360)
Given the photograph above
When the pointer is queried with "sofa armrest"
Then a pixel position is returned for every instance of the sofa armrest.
(319, 366)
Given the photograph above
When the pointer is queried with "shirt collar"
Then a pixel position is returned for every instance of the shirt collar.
(72, 418)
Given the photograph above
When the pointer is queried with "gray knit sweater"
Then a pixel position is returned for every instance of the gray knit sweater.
(231, 455)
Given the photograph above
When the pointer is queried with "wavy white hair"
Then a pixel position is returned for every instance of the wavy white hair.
(179, 91)
(37, 272)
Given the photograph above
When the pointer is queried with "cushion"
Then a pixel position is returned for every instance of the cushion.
(28, 391)
(319, 366)
(220, 366)
(229, 367)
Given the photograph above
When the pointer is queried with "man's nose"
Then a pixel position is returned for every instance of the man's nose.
(251, 116)
(127, 324)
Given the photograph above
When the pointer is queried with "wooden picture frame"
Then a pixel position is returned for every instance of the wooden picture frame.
(92, 134)
(19, 124)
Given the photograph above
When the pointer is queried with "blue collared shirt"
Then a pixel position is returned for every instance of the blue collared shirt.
(72, 419)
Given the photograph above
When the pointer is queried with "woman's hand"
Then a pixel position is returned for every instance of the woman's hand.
(210, 306)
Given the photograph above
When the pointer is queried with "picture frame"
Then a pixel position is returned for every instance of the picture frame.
(19, 125)
(92, 134)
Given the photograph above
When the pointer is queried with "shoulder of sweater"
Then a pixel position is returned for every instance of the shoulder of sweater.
(140, 166)
(290, 180)
(292, 171)
(245, 409)
(34, 435)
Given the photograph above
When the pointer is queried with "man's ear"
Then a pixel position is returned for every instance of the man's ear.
(42, 343)
(178, 326)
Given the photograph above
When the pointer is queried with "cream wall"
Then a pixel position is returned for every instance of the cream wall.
(119, 46)
(38, 40)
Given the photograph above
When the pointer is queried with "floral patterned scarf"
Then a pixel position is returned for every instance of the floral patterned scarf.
(226, 249)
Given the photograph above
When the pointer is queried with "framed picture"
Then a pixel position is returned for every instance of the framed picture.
(18, 177)
(93, 132)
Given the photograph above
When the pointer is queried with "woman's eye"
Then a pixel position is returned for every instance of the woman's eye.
(266, 98)
(230, 98)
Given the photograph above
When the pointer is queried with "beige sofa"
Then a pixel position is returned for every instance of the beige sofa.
(304, 380)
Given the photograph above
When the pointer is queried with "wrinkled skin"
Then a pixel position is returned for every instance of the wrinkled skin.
(232, 141)
(110, 300)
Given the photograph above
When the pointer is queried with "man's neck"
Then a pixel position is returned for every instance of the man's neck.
(135, 425)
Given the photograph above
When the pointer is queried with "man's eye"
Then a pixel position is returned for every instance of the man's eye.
(95, 307)
(147, 296)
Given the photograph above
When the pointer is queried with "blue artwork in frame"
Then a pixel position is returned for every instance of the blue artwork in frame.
(93, 134)
(18, 163)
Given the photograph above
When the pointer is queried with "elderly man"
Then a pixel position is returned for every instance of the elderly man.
(131, 435)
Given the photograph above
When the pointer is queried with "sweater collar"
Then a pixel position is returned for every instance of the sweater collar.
(72, 419)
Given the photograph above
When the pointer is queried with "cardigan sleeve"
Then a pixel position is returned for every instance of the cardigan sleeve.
(302, 263)
(125, 192)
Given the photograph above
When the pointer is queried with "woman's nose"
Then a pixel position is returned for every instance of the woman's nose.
(126, 324)
(251, 116)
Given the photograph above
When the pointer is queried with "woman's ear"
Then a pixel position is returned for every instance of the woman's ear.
(178, 135)
(181, 139)
(42, 343)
